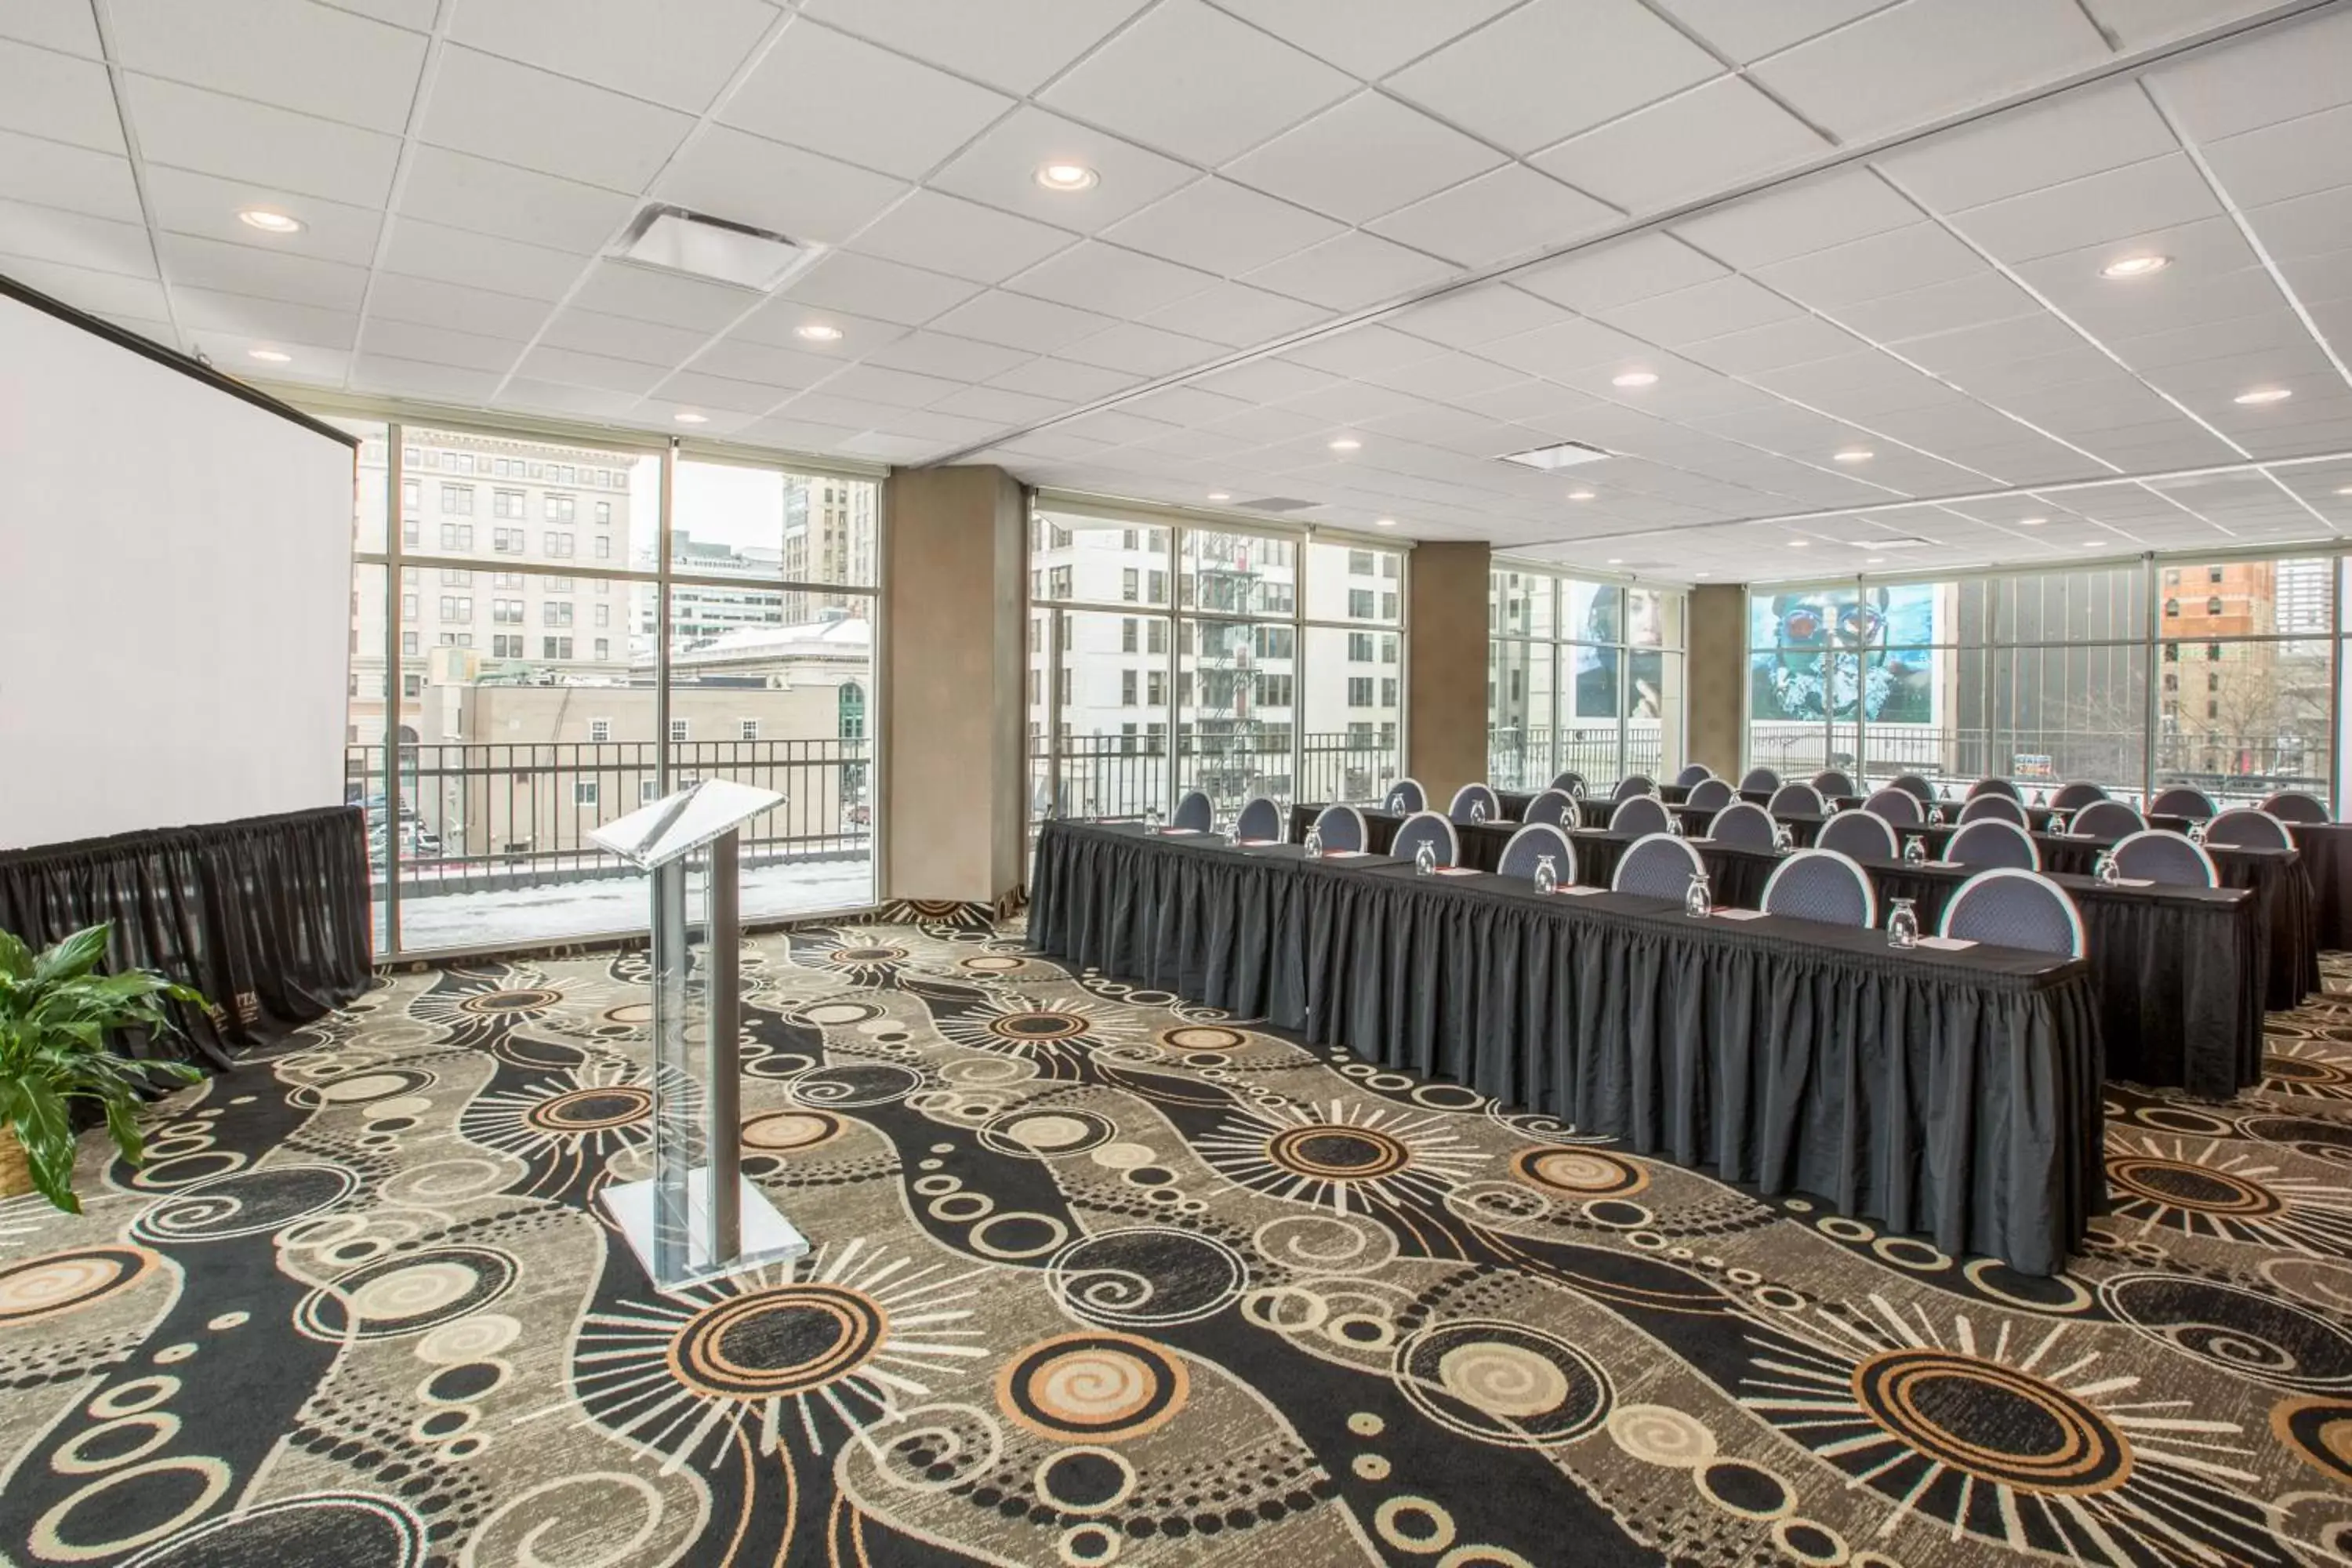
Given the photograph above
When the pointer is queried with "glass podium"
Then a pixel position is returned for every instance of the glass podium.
(697, 1217)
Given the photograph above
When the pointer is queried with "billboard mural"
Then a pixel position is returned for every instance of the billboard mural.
(1599, 612)
(1818, 654)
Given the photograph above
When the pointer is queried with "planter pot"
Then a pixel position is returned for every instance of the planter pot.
(15, 1173)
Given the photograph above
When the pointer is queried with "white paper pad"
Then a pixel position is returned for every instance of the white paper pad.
(1345, 854)
(1946, 944)
(1578, 891)
(1457, 870)
(1179, 831)
(1740, 914)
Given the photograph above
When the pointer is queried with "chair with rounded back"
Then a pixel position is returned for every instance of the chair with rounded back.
(2183, 800)
(2007, 907)
(2154, 855)
(1796, 799)
(1553, 806)
(2244, 827)
(1832, 783)
(1533, 842)
(1995, 808)
(1261, 818)
(1404, 798)
(2075, 797)
(1864, 835)
(1821, 885)
(1761, 779)
(2296, 805)
(2106, 821)
(1914, 786)
(1693, 776)
(1993, 841)
(1899, 806)
(1430, 827)
(1642, 814)
(1194, 810)
(1474, 794)
(1342, 828)
(1710, 795)
(1573, 782)
(2002, 788)
(1632, 785)
(1658, 866)
(1743, 825)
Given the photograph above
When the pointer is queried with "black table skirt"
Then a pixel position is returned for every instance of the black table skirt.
(2326, 849)
(1955, 1094)
(267, 916)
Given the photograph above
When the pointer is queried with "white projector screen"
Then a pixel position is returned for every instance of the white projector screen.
(176, 591)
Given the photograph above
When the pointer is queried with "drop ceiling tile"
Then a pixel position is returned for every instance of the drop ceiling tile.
(56, 174)
(1467, 317)
(838, 95)
(805, 196)
(1351, 271)
(1706, 310)
(2158, 194)
(1559, 350)
(1711, 138)
(1496, 217)
(885, 291)
(1142, 351)
(431, 303)
(2307, 226)
(1064, 381)
(956, 359)
(496, 108)
(110, 294)
(1446, 377)
(244, 269)
(1360, 351)
(1184, 405)
(1974, 300)
(1898, 261)
(1798, 220)
(1000, 170)
(698, 390)
(66, 25)
(416, 15)
(460, 190)
(570, 367)
(435, 346)
(1196, 84)
(299, 55)
(1915, 61)
(997, 404)
(186, 203)
(765, 364)
(1236, 315)
(1367, 38)
(605, 42)
(1014, 45)
(564, 397)
(672, 298)
(1619, 273)
(798, 434)
(1367, 155)
(1019, 322)
(1094, 276)
(391, 376)
(1222, 227)
(2283, 74)
(621, 337)
(188, 128)
(207, 309)
(1746, 31)
(1799, 340)
(960, 236)
(310, 364)
(57, 97)
(2280, 161)
(479, 260)
(2080, 134)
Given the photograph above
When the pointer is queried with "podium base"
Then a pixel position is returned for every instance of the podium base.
(767, 1236)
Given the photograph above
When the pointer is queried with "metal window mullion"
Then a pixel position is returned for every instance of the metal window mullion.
(2151, 680)
(394, 466)
(662, 499)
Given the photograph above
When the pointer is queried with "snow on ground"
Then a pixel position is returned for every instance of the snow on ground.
(565, 910)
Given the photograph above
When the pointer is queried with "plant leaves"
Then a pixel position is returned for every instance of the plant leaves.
(15, 958)
(38, 1116)
(72, 957)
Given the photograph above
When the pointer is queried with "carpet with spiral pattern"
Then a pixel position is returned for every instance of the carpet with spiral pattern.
(1098, 1278)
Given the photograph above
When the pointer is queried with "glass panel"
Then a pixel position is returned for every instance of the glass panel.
(1520, 713)
(1236, 574)
(364, 776)
(2054, 714)
(1236, 686)
(1354, 583)
(1522, 604)
(732, 521)
(1115, 716)
(2240, 719)
(1353, 714)
(1098, 562)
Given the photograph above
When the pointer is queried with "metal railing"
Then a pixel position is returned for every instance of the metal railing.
(1124, 775)
(2234, 769)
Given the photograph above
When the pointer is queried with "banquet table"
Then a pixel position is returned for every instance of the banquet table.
(2327, 859)
(1955, 1093)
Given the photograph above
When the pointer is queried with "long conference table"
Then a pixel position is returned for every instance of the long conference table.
(1950, 1092)
(2181, 975)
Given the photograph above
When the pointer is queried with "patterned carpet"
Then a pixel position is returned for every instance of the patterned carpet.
(1101, 1278)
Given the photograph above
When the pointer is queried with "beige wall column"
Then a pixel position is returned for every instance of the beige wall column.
(954, 554)
(1446, 712)
(1717, 681)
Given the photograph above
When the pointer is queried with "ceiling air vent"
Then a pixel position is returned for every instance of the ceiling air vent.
(1565, 455)
(1278, 503)
(679, 241)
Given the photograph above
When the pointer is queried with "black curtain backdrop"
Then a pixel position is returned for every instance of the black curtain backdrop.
(1952, 1093)
(2327, 859)
(267, 916)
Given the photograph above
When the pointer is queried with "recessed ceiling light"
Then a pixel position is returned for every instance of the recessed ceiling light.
(818, 332)
(1221, 495)
(1699, 574)
(269, 356)
(1580, 495)
(2344, 489)
(690, 419)
(1616, 561)
(2264, 395)
(1559, 454)
(2135, 266)
(1875, 561)
(1636, 378)
(269, 222)
(1801, 544)
(1852, 455)
(1385, 522)
(2092, 544)
(1346, 444)
(1067, 176)
(2032, 522)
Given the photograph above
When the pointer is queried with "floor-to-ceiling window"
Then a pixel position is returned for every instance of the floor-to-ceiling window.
(1165, 656)
(1582, 676)
(529, 662)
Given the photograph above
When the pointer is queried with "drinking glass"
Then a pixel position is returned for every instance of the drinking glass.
(1547, 874)
(1424, 859)
(1901, 925)
(1698, 901)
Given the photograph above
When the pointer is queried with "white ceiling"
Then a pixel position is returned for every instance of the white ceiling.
(1439, 230)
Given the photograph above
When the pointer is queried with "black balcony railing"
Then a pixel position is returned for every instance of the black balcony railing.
(2234, 769)
(1125, 776)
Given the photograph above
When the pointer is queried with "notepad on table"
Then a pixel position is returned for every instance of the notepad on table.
(1576, 890)
(1457, 870)
(1732, 914)
(1946, 944)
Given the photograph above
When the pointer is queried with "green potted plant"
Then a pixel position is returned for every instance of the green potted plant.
(55, 1013)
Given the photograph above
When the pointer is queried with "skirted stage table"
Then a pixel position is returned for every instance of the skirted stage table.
(2327, 859)
(1951, 1092)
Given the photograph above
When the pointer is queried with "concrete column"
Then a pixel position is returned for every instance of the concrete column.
(1716, 685)
(1446, 697)
(954, 558)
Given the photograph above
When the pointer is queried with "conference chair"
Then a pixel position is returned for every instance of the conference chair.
(1995, 808)
(1404, 798)
(2154, 855)
(1900, 808)
(1553, 806)
(2075, 797)
(1821, 885)
(2183, 800)
(1797, 800)
(1914, 786)
(1474, 794)
(1531, 844)
(1994, 842)
(1693, 776)
(1743, 825)
(2006, 907)
(2106, 821)
(1710, 795)
(1658, 866)
(1261, 818)
(1194, 810)
(1573, 782)
(2001, 787)
(1832, 782)
(2244, 827)
(1632, 785)
(1428, 827)
(1761, 779)
(2296, 805)
(1642, 813)
(1342, 828)
(1864, 835)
